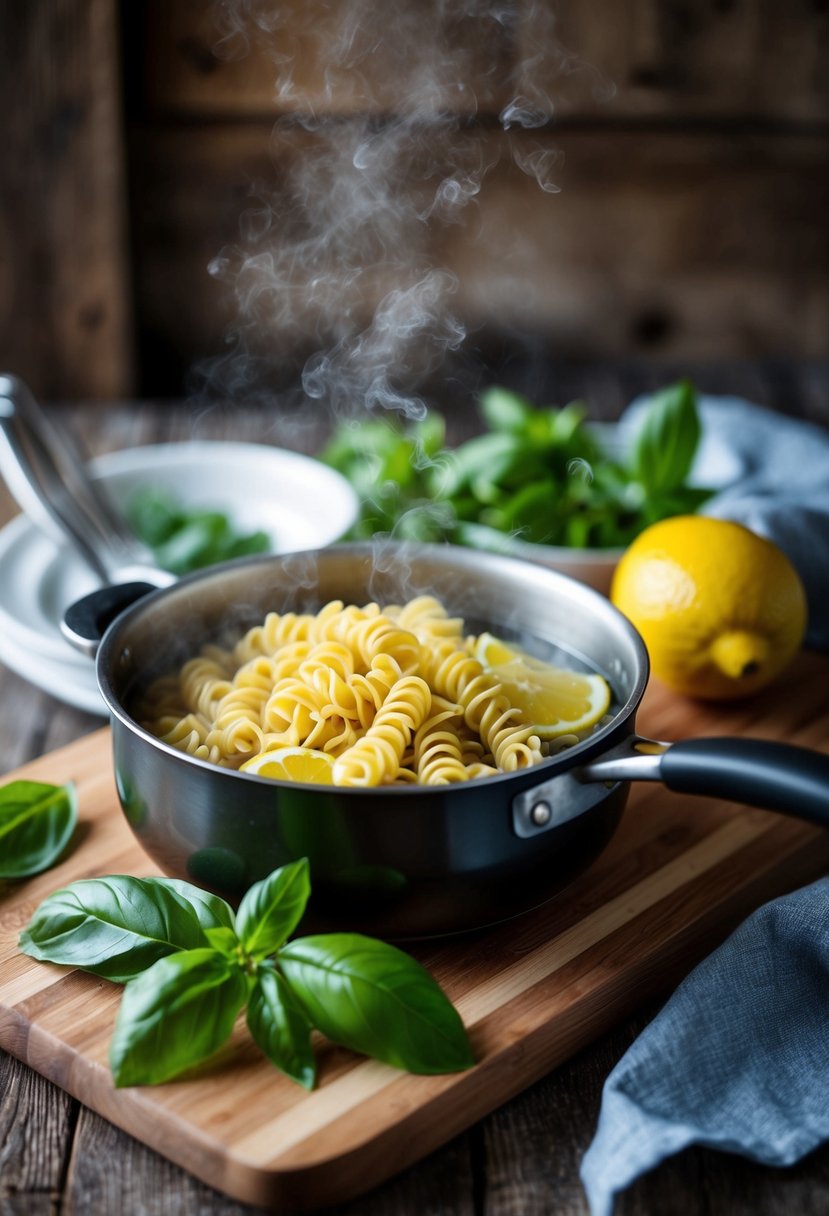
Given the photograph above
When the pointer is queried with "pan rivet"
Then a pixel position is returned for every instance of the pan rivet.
(541, 814)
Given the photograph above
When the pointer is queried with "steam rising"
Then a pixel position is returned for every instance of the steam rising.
(380, 149)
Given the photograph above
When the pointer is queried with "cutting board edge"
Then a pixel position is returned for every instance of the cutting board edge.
(316, 1183)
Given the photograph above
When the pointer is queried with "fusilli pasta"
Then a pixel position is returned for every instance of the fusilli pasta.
(389, 695)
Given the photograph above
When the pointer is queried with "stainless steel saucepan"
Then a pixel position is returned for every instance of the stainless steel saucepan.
(407, 861)
(401, 861)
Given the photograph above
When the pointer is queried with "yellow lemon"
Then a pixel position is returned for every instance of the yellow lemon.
(556, 701)
(292, 764)
(721, 610)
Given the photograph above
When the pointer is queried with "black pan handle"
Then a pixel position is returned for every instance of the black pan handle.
(771, 776)
(774, 776)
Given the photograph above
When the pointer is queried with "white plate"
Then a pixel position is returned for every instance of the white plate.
(71, 682)
(299, 502)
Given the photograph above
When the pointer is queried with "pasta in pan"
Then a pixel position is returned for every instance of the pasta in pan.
(380, 696)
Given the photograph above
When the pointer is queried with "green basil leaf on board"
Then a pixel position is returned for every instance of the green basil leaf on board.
(666, 444)
(371, 997)
(211, 910)
(189, 971)
(36, 823)
(114, 927)
(174, 1016)
(280, 1027)
(272, 909)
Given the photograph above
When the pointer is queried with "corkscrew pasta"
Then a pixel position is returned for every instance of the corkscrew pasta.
(388, 695)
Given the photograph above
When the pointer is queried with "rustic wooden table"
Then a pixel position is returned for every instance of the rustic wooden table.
(57, 1156)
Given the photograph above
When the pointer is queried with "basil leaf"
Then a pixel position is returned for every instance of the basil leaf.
(429, 434)
(666, 444)
(375, 999)
(153, 515)
(485, 456)
(224, 940)
(114, 927)
(211, 910)
(272, 909)
(36, 823)
(175, 1015)
(280, 1027)
(565, 429)
(504, 410)
(183, 539)
(243, 546)
(194, 544)
(481, 536)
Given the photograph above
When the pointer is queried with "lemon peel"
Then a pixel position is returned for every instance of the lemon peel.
(721, 610)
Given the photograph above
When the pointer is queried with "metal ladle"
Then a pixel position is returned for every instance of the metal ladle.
(49, 480)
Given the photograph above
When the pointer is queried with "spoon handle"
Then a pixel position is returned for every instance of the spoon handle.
(48, 479)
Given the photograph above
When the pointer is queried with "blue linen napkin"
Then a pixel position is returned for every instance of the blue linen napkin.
(772, 475)
(737, 1060)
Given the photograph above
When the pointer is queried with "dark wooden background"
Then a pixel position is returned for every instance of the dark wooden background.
(688, 139)
(689, 236)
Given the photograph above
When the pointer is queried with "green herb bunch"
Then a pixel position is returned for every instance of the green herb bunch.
(536, 474)
(182, 540)
(190, 966)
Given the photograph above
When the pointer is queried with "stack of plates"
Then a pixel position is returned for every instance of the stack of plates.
(299, 502)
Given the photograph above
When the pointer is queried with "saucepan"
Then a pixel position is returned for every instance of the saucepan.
(402, 861)
(406, 861)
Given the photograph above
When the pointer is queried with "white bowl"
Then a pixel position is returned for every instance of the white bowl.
(299, 502)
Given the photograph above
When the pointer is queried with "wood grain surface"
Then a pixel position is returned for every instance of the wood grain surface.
(60, 1158)
(679, 873)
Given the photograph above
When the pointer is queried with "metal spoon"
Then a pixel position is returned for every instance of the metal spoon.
(49, 480)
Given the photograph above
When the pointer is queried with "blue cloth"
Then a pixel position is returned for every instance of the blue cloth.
(771, 474)
(738, 1059)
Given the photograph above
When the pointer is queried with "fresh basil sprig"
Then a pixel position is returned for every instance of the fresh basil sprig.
(36, 823)
(190, 967)
(539, 474)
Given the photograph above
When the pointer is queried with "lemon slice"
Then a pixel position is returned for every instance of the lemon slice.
(556, 701)
(293, 764)
(492, 652)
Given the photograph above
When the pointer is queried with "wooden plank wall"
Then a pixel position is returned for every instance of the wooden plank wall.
(64, 277)
(683, 146)
(686, 148)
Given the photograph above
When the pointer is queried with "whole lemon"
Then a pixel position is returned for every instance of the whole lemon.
(721, 610)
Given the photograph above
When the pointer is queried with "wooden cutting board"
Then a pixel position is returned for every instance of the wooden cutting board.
(680, 873)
